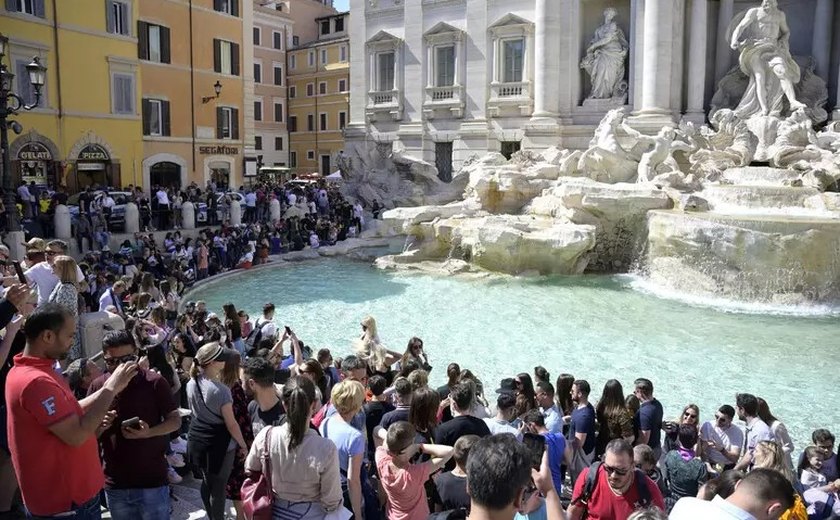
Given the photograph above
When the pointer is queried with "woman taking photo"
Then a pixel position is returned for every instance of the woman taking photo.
(304, 466)
(614, 420)
(214, 434)
(66, 294)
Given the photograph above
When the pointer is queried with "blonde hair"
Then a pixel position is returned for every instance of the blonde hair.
(370, 329)
(418, 379)
(769, 455)
(348, 396)
(203, 358)
(64, 268)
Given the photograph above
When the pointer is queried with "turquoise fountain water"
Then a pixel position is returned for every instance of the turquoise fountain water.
(596, 328)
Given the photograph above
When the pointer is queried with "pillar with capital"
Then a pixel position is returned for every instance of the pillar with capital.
(547, 70)
(656, 108)
(697, 61)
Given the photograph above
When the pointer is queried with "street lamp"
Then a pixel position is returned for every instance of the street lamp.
(217, 88)
(10, 105)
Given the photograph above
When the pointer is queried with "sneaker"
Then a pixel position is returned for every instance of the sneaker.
(176, 460)
(174, 477)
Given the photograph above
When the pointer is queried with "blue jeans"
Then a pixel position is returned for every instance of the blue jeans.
(140, 504)
(90, 510)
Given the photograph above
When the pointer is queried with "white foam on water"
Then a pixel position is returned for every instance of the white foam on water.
(643, 285)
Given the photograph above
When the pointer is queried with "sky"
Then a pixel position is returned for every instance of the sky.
(342, 5)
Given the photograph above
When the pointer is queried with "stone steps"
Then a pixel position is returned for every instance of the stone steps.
(725, 197)
(761, 176)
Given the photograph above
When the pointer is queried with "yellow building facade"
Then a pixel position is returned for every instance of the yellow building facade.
(87, 128)
(319, 97)
(187, 51)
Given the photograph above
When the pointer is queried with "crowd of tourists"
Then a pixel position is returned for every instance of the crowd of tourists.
(217, 394)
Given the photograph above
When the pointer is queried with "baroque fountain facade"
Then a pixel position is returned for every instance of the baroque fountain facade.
(745, 207)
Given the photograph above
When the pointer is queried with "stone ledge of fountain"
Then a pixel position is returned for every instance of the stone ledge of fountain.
(734, 198)
(762, 176)
(754, 258)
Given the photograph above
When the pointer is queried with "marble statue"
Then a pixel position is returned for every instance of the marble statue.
(726, 143)
(604, 60)
(605, 159)
(762, 37)
(659, 158)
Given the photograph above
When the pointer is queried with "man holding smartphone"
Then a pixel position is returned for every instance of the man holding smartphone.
(134, 446)
(51, 434)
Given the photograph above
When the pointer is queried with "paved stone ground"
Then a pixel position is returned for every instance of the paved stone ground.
(186, 502)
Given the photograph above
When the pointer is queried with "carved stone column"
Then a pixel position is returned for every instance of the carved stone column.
(697, 61)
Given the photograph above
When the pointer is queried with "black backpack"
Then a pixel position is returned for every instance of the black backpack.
(254, 337)
(645, 499)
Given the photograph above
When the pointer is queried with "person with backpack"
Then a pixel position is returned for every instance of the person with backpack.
(614, 488)
(264, 328)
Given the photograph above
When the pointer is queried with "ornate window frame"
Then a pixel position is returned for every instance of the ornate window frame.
(385, 102)
(518, 95)
(448, 98)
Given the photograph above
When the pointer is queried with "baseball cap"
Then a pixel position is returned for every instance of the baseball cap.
(35, 245)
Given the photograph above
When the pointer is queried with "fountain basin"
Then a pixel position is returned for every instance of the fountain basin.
(752, 258)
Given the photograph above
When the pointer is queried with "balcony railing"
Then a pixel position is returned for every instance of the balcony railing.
(385, 97)
(448, 93)
(516, 95)
(513, 89)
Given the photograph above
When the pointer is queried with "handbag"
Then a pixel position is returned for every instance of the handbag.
(257, 495)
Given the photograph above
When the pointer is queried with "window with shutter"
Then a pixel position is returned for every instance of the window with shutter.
(293, 159)
(322, 87)
(311, 56)
(278, 40)
(292, 92)
(339, 24)
(310, 123)
(257, 110)
(278, 75)
(225, 123)
(323, 122)
(292, 124)
(154, 43)
(342, 53)
(220, 123)
(310, 154)
(234, 59)
(142, 40)
(324, 57)
(257, 36)
(225, 66)
(257, 73)
(155, 117)
(278, 144)
(257, 142)
(234, 115)
(342, 120)
(165, 56)
(292, 61)
(278, 112)
(165, 117)
(145, 108)
(310, 89)
(342, 85)
(118, 17)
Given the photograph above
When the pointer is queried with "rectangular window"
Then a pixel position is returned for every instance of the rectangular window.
(257, 73)
(292, 124)
(295, 40)
(278, 144)
(342, 85)
(445, 66)
(278, 112)
(227, 123)
(385, 69)
(156, 117)
(342, 120)
(256, 36)
(293, 159)
(322, 87)
(339, 24)
(310, 89)
(342, 54)
(509, 148)
(118, 17)
(311, 57)
(443, 160)
(230, 7)
(153, 42)
(122, 93)
(324, 57)
(257, 142)
(257, 110)
(292, 61)
(226, 57)
(323, 122)
(310, 122)
(278, 40)
(278, 75)
(24, 87)
(310, 155)
(33, 7)
(292, 92)
(325, 27)
(513, 60)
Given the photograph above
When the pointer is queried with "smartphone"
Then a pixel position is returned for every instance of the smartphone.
(19, 271)
(131, 423)
(288, 330)
(536, 446)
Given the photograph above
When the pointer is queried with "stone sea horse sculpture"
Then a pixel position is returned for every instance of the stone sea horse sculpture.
(606, 160)
(728, 143)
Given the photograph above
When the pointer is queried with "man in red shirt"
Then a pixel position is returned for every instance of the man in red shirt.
(615, 493)
(52, 436)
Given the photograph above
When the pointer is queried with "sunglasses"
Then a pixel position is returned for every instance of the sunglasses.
(721, 418)
(112, 362)
(618, 471)
(690, 415)
(52, 253)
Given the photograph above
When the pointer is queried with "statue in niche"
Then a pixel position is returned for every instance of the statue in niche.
(604, 60)
(763, 39)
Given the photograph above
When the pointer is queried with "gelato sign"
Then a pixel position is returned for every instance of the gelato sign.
(34, 152)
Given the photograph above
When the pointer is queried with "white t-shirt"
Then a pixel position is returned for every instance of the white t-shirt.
(727, 439)
(496, 426)
(45, 280)
(251, 199)
(292, 199)
(108, 202)
(162, 198)
(268, 328)
(691, 508)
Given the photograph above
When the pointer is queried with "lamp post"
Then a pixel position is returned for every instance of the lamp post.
(10, 105)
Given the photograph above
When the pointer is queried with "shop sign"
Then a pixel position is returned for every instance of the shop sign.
(94, 152)
(218, 150)
(34, 152)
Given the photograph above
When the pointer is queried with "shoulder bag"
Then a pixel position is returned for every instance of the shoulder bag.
(257, 495)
